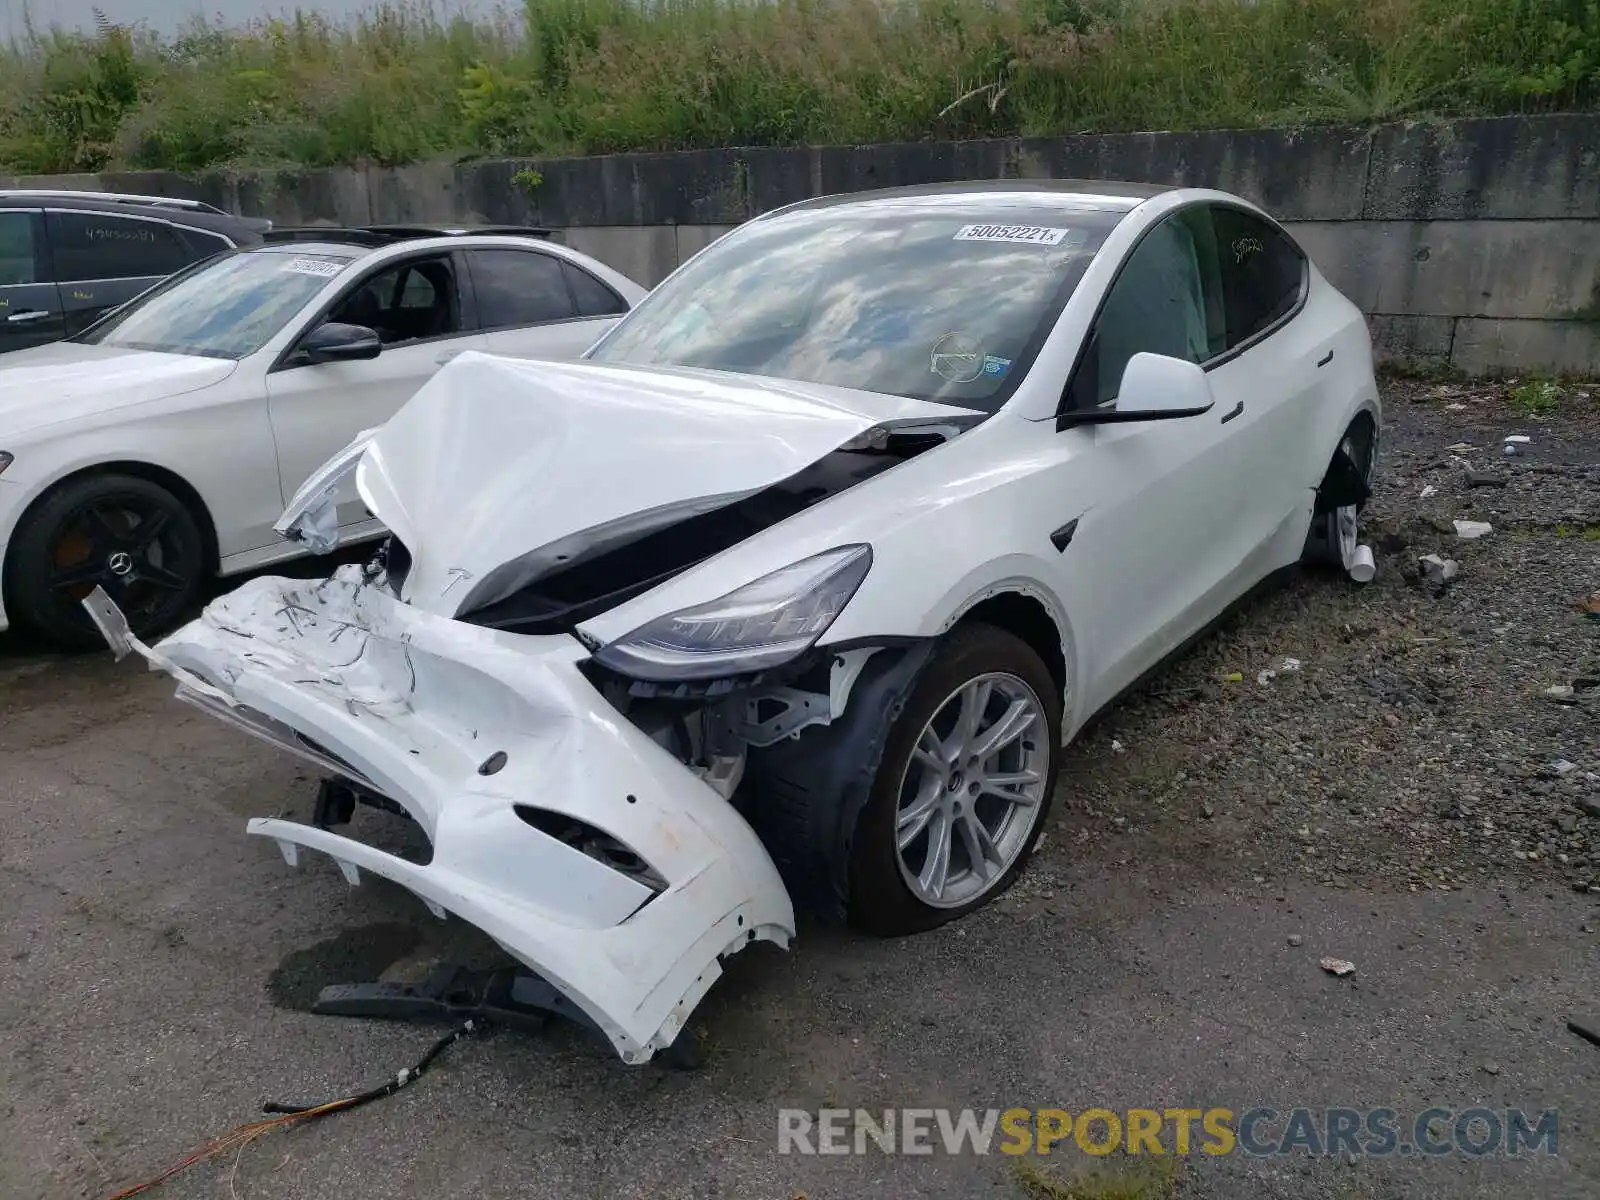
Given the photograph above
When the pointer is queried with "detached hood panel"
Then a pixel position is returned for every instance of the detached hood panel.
(64, 381)
(500, 469)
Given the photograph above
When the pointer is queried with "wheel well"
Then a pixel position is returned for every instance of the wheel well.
(160, 476)
(1024, 617)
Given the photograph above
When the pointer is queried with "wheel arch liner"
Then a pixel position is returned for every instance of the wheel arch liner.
(812, 789)
(412, 705)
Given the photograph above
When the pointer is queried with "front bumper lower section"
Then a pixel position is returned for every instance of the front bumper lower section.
(485, 739)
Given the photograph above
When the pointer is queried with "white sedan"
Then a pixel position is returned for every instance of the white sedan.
(795, 588)
(157, 447)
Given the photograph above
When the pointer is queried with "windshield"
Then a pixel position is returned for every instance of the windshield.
(228, 307)
(933, 300)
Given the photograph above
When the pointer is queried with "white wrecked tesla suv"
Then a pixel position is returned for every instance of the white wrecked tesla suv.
(794, 587)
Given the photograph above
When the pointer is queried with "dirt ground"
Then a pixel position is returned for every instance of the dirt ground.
(1418, 793)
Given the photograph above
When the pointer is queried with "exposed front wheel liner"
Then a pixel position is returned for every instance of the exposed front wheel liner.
(831, 806)
(963, 788)
(126, 534)
(1335, 533)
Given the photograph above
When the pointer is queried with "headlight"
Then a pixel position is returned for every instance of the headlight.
(5, 461)
(763, 624)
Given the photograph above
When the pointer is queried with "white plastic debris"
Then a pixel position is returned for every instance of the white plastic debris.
(1457, 407)
(1519, 439)
(1562, 767)
(1472, 530)
(1265, 676)
(1117, 747)
(1460, 447)
(1338, 966)
(1430, 490)
(1289, 666)
(1439, 570)
(1362, 566)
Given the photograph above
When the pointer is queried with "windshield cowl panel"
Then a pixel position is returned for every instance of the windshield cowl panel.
(948, 305)
(227, 308)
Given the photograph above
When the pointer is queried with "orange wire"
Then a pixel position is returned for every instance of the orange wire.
(237, 1136)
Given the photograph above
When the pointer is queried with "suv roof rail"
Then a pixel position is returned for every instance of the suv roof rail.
(383, 235)
(113, 198)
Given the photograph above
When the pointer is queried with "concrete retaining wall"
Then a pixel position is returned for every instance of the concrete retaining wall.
(1470, 243)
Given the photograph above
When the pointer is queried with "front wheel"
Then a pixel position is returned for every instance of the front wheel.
(963, 788)
(126, 534)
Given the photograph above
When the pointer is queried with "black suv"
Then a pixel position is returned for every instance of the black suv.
(67, 257)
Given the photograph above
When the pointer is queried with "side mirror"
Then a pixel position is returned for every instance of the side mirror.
(1154, 388)
(335, 342)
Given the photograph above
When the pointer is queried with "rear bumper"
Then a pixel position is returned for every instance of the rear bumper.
(461, 726)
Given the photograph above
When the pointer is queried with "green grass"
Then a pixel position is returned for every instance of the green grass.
(1536, 397)
(403, 83)
(1143, 1179)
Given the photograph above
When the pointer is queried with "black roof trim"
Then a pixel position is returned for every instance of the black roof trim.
(1131, 195)
(385, 235)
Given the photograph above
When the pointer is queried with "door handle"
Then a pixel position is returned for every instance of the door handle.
(37, 314)
(1237, 409)
(1325, 359)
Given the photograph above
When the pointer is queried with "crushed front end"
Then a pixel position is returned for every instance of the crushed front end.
(582, 846)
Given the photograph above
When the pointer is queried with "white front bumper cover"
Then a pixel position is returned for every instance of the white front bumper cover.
(418, 708)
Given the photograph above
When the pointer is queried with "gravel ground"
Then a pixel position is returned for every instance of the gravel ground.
(1427, 735)
(1402, 800)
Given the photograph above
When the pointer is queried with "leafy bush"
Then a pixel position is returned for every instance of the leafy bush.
(402, 83)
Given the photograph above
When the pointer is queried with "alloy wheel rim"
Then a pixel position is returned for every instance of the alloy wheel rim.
(976, 776)
(126, 544)
(1346, 518)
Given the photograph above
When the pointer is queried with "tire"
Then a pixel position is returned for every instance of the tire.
(87, 532)
(1334, 535)
(884, 899)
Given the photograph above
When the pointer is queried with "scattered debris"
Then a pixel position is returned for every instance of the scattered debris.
(1362, 567)
(1472, 530)
(1289, 666)
(1491, 1068)
(1484, 479)
(1117, 747)
(1338, 966)
(1430, 490)
(1238, 677)
(1561, 691)
(1460, 447)
(1296, 940)
(1439, 571)
(1039, 844)
(1562, 767)
(1207, 810)
(1518, 439)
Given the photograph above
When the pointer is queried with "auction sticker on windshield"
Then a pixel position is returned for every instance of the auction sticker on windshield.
(314, 266)
(1032, 235)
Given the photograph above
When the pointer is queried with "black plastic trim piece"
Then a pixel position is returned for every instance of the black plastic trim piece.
(1062, 538)
(1236, 411)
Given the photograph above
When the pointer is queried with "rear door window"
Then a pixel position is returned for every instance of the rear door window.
(1263, 273)
(18, 252)
(92, 246)
(594, 299)
(519, 287)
